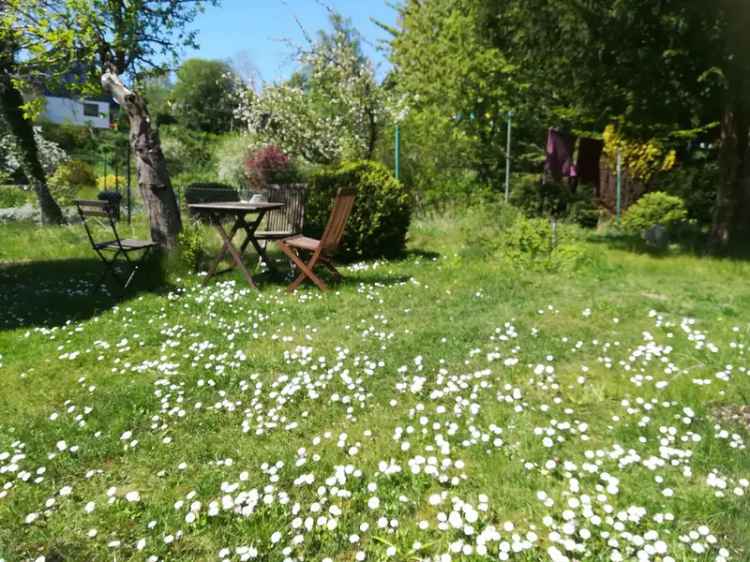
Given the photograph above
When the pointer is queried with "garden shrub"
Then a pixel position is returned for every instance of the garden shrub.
(654, 208)
(69, 178)
(268, 165)
(556, 200)
(111, 182)
(12, 196)
(191, 244)
(535, 244)
(695, 183)
(382, 211)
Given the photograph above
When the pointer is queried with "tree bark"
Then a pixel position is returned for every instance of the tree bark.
(151, 167)
(731, 225)
(22, 130)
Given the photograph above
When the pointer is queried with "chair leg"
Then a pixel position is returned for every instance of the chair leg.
(306, 269)
(326, 262)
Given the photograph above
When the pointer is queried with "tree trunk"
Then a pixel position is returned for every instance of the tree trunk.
(22, 130)
(731, 225)
(151, 167)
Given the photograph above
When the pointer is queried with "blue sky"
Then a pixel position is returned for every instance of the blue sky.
(254, 31)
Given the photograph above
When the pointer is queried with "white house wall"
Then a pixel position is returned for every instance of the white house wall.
(66, 110)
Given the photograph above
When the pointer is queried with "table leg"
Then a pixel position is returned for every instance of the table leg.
(250, 229)
(215, 264)
(236, 255)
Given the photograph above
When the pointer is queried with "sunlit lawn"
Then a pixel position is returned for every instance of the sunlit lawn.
(448, 406)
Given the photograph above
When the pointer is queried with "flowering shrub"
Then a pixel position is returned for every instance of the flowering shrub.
(652, 209)
(382, 208)
(268, 165)
(642, 160)
(330, 112)
(110, 181)
(51, 155)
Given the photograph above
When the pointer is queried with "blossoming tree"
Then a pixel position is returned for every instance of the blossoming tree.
(332, 108)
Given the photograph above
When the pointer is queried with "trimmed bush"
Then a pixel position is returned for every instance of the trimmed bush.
(382, 209)
(652, 209)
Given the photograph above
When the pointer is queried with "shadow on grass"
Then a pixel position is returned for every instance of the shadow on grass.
(52, 292)
(689, 243)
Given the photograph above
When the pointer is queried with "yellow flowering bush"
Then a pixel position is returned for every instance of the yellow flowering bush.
(641, 160)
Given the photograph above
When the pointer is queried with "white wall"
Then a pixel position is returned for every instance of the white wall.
(65, 110)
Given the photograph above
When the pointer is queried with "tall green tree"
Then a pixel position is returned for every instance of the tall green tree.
(117, 40)
(203, 97)
(16, 72)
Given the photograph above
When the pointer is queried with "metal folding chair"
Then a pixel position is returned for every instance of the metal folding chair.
(115, 251)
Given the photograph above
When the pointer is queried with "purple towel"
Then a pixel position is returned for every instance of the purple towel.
(559, 162)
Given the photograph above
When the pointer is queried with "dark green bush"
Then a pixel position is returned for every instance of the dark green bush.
(382, 209)
(537, 199)
(695, 183)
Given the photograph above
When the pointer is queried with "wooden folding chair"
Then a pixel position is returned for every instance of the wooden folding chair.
(320, 251)
(121, 248)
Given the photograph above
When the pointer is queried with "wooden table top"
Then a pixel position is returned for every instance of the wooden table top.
(236, 206)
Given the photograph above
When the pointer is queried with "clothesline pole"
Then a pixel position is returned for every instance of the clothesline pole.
(619, 185)
(507, 157)
(397, 156)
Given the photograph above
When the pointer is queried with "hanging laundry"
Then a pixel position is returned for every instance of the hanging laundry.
(589, 154)
(559, 163)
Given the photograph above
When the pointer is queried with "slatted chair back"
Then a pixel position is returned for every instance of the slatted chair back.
(97, 209)
(291, 217)
(342, 208)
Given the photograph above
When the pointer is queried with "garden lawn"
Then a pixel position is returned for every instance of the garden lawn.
(448, 406)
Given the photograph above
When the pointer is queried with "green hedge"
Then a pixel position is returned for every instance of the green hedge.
(381, 215)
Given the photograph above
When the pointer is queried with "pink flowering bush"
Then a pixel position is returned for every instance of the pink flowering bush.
(268, 165)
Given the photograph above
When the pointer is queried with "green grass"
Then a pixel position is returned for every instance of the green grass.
(447, 350)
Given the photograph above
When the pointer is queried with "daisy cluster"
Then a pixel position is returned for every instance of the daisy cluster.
(369, 451)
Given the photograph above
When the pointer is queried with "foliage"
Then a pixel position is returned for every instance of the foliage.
(695, 183)
(655, 208)
(382, 208)
(12, 196)
(641, 159)
(669, 69)
(51, 155)
(459, 87)
(231, 155)
(156, 89)
(191, 244)
(539, 244)
(537, 199)
(203, 96)
(110, 182)
(188, 151)
(332, 109)
(69, 179)
(268, 165)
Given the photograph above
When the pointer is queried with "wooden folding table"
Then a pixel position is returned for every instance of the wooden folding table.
(218, 213)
